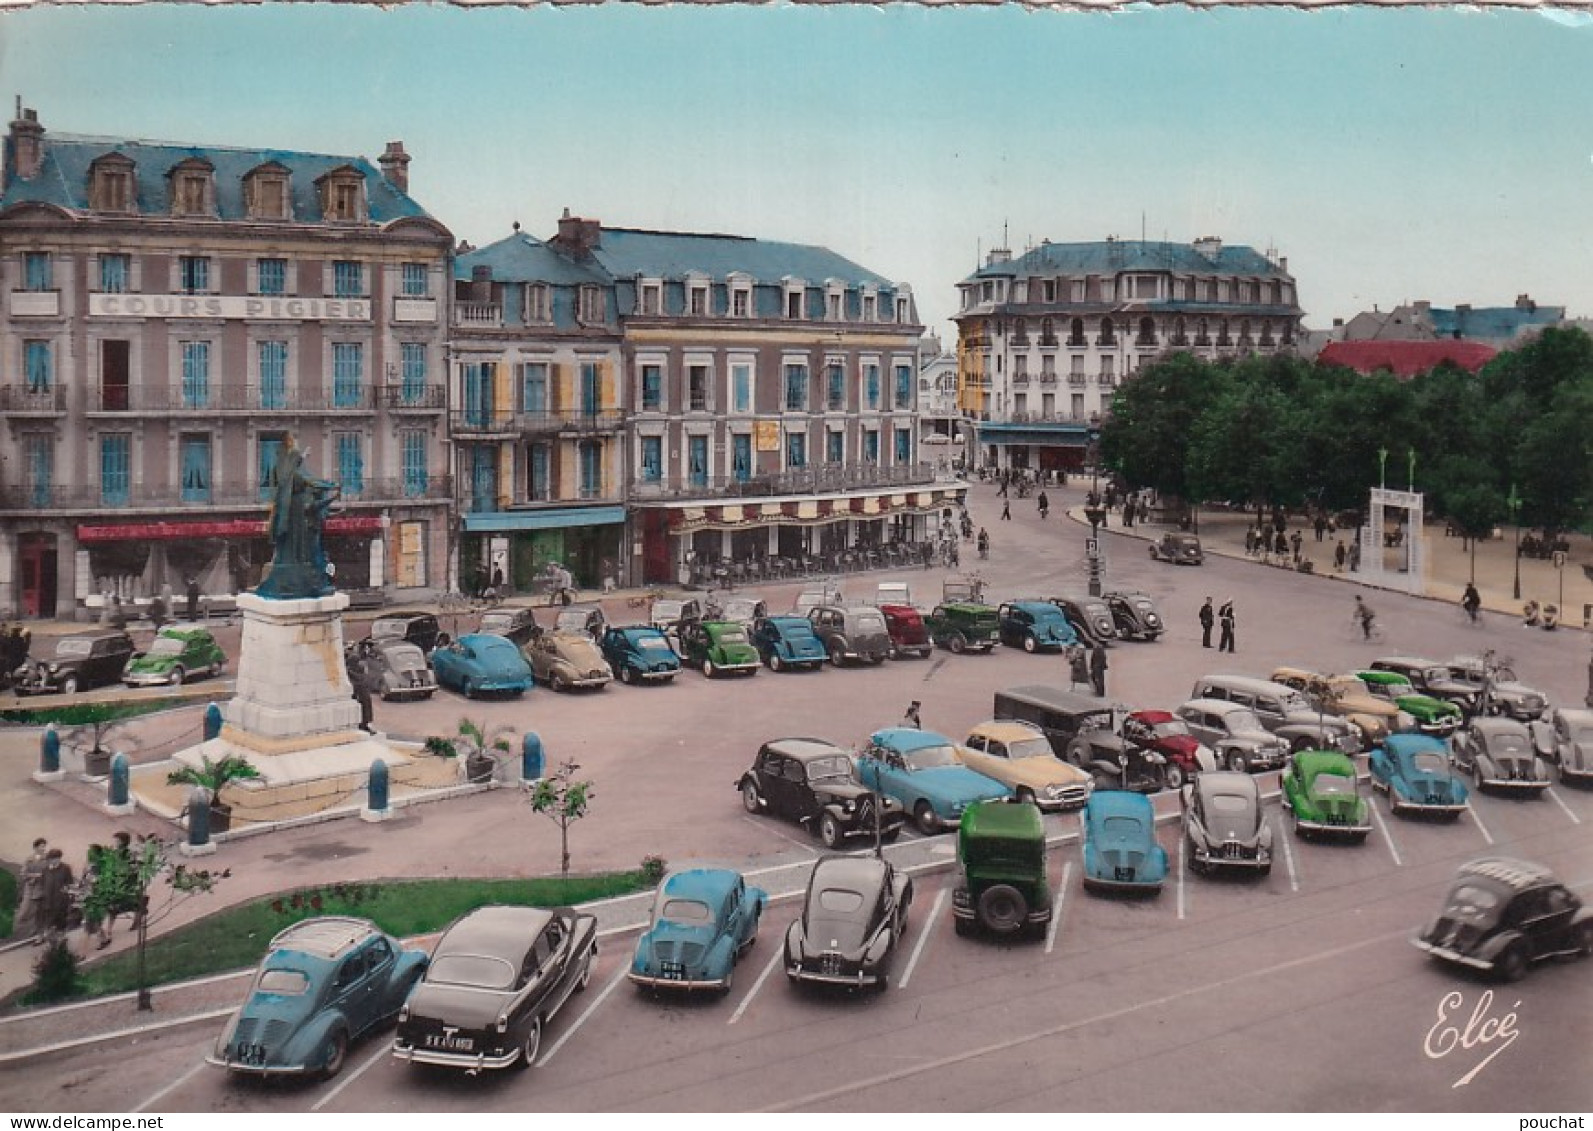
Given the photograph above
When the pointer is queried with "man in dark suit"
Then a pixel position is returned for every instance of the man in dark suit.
(1207, 619)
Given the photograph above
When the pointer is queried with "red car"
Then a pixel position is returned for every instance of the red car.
(1169, 736)
(907, 632)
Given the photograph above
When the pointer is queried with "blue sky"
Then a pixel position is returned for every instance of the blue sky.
(1389, 154)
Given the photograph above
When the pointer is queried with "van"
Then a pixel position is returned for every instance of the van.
(893, 593)
(1062, 715)
(1283, 711)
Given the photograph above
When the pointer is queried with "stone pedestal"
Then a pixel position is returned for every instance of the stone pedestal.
(292, 689)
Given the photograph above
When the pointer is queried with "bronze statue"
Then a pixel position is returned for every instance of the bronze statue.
(299, 506)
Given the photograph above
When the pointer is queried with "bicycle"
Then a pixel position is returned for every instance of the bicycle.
(1366, 627)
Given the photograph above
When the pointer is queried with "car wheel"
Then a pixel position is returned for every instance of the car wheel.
(837, 655)
(749, 798)
(889, 836)
(336, 1053)
(924, 818)
(776, 664)
(627, 674)
(558, 683)
(1236, 762)
(963, 927)
(69, 685)
(1026, 796)
(1584, 939)
(586, 971)
(1078, 752)
(708, 668)
(958, 644)
(1512, 965)
(882, 982)
(532, 1044)
(730, 979)
(877, 659)
(830, 831)
(1174, 776)
(1002, 909)
(1030, 645)
(1264, 871)
(469, 689)
(176, 677)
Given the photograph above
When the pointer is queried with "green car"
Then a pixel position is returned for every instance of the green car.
(963, 626)
(1003, 889)
(1321, 790)
(718, 646)
(176, 655)
(1437, 717)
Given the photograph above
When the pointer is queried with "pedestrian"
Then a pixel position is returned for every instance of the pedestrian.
(1225, 615)
(1001, 484)
(1338, 556)
(361, 676)
(158, 607)
(30, 920)
(1098, 669)
(497, 580)
(1355, 556)
(911, 719)
(1280, 545)
(1321, 527)
(193, 598)
(1078, 667)
(1471, 601)
(94, 918)
(984, 543)
(1250, 544)
(1128, 510)
(1207, 619)
(55, 896)
(1364, 616)
(1295, 542)
(1044, 504)
(1006, 508)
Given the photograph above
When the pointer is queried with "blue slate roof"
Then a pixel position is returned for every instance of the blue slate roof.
(63, 178)
(1108, 257)
(1493, 323)
(630, 252)
(524, 259)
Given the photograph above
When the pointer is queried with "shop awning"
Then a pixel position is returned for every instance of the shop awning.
(553, 518)
(701, 515)
(215, 528)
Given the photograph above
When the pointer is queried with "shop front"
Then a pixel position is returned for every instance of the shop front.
(519, 545)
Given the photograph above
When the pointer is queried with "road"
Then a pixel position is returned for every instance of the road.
(1297, 992)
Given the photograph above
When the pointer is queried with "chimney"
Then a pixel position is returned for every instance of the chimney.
(1424, 308)
(1283, 264)
(1525, 304)
(577, 236)
(27, 143)
(395, 166)
(1338, 323)
(1208, 248)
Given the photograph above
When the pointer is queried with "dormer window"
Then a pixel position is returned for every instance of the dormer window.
(538, 303)
(740, 296)
(652, 297)
(192, 189)
(903, 310)
(590, 304)
(793, 300)
(833, 306)
(697, 298)
(342, 196)
(111, 185)
(265, 193)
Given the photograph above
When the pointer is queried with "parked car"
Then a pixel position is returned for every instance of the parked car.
(1499, 754)
(962, 589)
(1501, 915)
(516, 624)
(904, 624)
(1498, 690)
(639, 653)
(923, 771)
(812, 596)
(480, 662)
(814, 783)
(1434, 716)
(1090, 617)
(893, 593)
(323, 984)
(1430, 678)
(1347, 697)
(853, 916)
(667, 613)
(1018, 755)
(1224, 825)
(738, 609)
(717, 647)
(787, 643)
(1320, 790)
(589, 619)
(567, 661)
(498, 975)
(704, 920)
(1083, 731)
(419, 628)
(1134, 615)
(1414, 770)
(1571, 730)
(78, 662)
(1003, 888)
(393, 669)
(964, 627)
(1035, 626)
(174, 656)
(1178, 548)
(851, 633)
(1184, 755)
(1237, 739)
(1120, 849)
(1283, 711)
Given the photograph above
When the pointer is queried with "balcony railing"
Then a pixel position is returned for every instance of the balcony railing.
(1053, 417)
(1077, 379)
(1048, 378)
(245, 399)
(801, 481)
(1078, 343)
(478, 314)
(1020, 380)
(164, 496)
(1107, 379)
(503, 423)
(1048, 341)
(20, 399)
(413, 397)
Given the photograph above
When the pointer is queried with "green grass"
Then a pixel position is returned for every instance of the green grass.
(8, 902)
(238, 937)
(86, 714)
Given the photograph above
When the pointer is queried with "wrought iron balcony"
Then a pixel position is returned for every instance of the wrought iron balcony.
(210, 399)
(828, 479)
(19, 400)
(96, 497)
(512, 423)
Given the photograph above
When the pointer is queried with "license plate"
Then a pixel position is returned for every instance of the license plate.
(249, 1054)
(450, 1043)
(673, 971)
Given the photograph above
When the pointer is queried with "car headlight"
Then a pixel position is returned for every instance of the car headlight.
(1052, 792)
(849, 806)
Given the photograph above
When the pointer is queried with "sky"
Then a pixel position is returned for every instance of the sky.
(1390, 154)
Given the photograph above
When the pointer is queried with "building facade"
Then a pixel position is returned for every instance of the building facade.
(1044, 339)
(171, 314)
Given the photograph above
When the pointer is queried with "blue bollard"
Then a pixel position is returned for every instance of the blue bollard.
(116, 789)
(378, 786)
(212, 722)
(49, 751)
(531, 759)
(198, 818)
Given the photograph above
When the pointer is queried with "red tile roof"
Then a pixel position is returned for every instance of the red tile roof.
(1406, 359)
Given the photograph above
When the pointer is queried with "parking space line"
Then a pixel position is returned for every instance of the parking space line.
(613, 984)
(1056, 910)
(1382, 831)
(172, 1087)
(923, 937)
(1182, 870)
(1557, 800)
(1476, 820)
(769, 825)
(774, 960)
(349, 1077)
(1288, 854)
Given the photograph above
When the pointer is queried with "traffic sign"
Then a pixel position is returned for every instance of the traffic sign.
(1559, 559)
(1092, 546)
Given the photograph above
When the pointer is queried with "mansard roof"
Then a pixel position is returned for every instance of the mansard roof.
(635, 253)
(525, 259)
(1110, 257)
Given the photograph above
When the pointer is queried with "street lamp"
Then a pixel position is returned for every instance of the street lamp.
(1514, 503)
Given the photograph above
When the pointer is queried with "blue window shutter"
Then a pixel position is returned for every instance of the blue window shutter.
(270, 446)
(40, 373)
(196, 469)
(196, 374)
(414, 364)
(273, 374)
(741, 455)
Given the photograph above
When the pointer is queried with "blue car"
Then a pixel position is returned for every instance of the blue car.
(639, 653)
(1415, 771)
(788, 642)
(480, 662)
(323, 983)
(1035, 626)
(920, 769)
(1120, 849)
(703, 921)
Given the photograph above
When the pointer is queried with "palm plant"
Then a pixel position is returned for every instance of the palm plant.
(214, 776)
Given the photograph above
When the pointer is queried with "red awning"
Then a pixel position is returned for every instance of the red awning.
(216, 528)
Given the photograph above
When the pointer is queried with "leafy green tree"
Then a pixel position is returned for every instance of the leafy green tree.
(564, 800)
(1147, 438)
(1246, 448)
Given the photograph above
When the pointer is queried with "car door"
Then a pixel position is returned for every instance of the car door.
(773, 784)
(354, 991)
(891, 775)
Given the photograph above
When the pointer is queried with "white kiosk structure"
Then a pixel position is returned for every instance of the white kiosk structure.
(1394, 556)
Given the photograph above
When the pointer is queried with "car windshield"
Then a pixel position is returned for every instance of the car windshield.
(732, 636)
(1229, 804)
(1230, 815)
(573, 620)
(1172, 728)
(167, 646)
(1145, 604)
(836, 766)
(1120, 828)
(666, 610)
(869, 623)
(1333, 784)
(480, 970)
(1435, 675)
(653, 643)
(1471, 903)
(839, 901)
(1037, 747)
(686, 911)
(287, 983)
(381, 628)
(1048, 614)
(1508, 743)
(1392, 687)
(1240, 721)
(740, 609)
(1294, 701)
(796, 629)
(67, 646)
(931, 757)
(1429, 763)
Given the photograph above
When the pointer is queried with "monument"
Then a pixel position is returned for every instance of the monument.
(1394, 558)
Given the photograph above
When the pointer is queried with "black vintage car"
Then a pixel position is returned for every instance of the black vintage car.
(516, 624)
(813, 783)
(1083, 731)
(77, 663)
(1135, 615)
(1431, 678)
(853, 917)
(1090, 617)
(498, 975)
(589, 619)
(1501, 915)
(419, 628)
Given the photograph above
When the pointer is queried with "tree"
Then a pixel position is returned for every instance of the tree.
(1153, 419)
(565, 801)
(1246, 448)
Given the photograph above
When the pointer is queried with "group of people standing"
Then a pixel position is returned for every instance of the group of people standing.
(1210, 619)
(54, 900)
